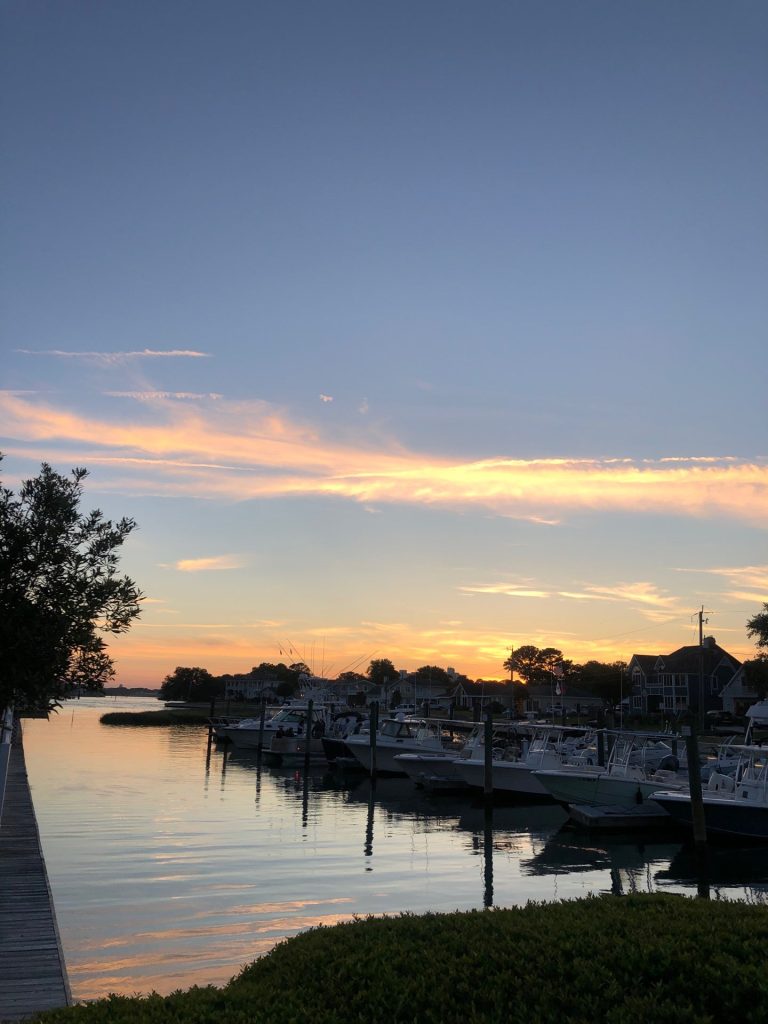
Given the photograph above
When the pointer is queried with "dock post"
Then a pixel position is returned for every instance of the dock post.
(374, 727)
(601, 739)
(488, 768)
(698, 818)
(308, 735)
(262, 719)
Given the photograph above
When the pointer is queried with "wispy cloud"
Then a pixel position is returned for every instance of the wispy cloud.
(111, 358)
(505, 589)
(229, 450)
(153, 396)
(747, 582)
(211, 564)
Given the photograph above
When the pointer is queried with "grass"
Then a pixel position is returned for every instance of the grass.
(620, 960)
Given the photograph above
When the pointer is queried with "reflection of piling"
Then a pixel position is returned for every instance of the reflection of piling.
(488, 769)
(368, 848)
(488, 855)
(697, 808)
(305, 799)
(374, 725)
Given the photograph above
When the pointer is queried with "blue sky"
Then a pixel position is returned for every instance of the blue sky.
(420, 329)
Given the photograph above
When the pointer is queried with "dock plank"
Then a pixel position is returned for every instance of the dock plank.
(33, 974)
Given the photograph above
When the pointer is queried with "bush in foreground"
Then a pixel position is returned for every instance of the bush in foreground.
(622, 960)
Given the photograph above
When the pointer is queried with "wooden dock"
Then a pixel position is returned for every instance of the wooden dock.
(33, 975)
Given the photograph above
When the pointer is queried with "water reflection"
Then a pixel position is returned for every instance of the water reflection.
(219, 857)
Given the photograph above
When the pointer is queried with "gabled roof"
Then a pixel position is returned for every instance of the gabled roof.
(646, 662)
(690, 659)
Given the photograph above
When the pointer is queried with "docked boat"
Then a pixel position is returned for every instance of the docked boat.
(513, 766)
(406, 735)
(637, 765)
(436, 769)
(288, 723)
(735, 804)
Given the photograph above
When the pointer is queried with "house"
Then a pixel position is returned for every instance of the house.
(540, 698)
(699, 678)
(481, 694)
(257, 685)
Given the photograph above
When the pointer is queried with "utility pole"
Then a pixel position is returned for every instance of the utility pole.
(702, 622)
(702, 709)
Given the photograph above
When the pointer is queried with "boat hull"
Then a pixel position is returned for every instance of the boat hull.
(597, 789)
(513, 777)
(724, 817)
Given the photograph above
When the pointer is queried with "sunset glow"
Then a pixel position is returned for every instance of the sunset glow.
(401, 333)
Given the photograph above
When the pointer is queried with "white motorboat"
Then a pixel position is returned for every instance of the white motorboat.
(735, 804)
(513, 767)
(637, 765)
(436, 769)
(289, 722)
(406, 735)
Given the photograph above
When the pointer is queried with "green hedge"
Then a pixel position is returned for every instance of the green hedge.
(646, 959)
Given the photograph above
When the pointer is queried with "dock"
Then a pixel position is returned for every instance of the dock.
(33, 975)
(620, 817)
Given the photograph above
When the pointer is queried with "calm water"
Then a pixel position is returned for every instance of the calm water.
(173, 865)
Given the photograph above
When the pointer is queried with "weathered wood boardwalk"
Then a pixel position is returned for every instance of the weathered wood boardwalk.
(33, 975)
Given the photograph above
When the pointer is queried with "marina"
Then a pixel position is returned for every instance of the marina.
(174, 862)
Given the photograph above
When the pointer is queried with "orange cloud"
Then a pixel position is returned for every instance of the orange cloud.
(234, 451)
(214, 563)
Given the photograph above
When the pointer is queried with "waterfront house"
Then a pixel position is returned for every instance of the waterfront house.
(482, 693)
(540, 698)
(698, 678)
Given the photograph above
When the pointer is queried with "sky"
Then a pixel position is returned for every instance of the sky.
(419, 330)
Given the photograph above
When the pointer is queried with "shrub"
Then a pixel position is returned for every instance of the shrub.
(621, 960)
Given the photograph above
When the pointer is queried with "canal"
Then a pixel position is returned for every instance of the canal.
(173, 863)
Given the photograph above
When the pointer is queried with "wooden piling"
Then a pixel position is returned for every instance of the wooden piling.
(308, 736)
(374, 728)
(262, 720)
(694, 785)
(488, 767)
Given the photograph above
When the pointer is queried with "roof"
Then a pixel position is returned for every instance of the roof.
(480, 689)
(645, 661)
(688, 660)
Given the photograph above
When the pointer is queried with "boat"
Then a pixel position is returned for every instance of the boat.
(435, 769)
(403, 735)
(638, 764)
(289, 722)
(735, 803)
(514, 765)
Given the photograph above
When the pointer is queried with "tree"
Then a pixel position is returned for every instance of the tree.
(60, 590)
(756, 674)
(351, 677)
(757, 628)
(190, 684)
(381, 671)
(604, 680)
(533, 664)
(300, 668)
(432, 674)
